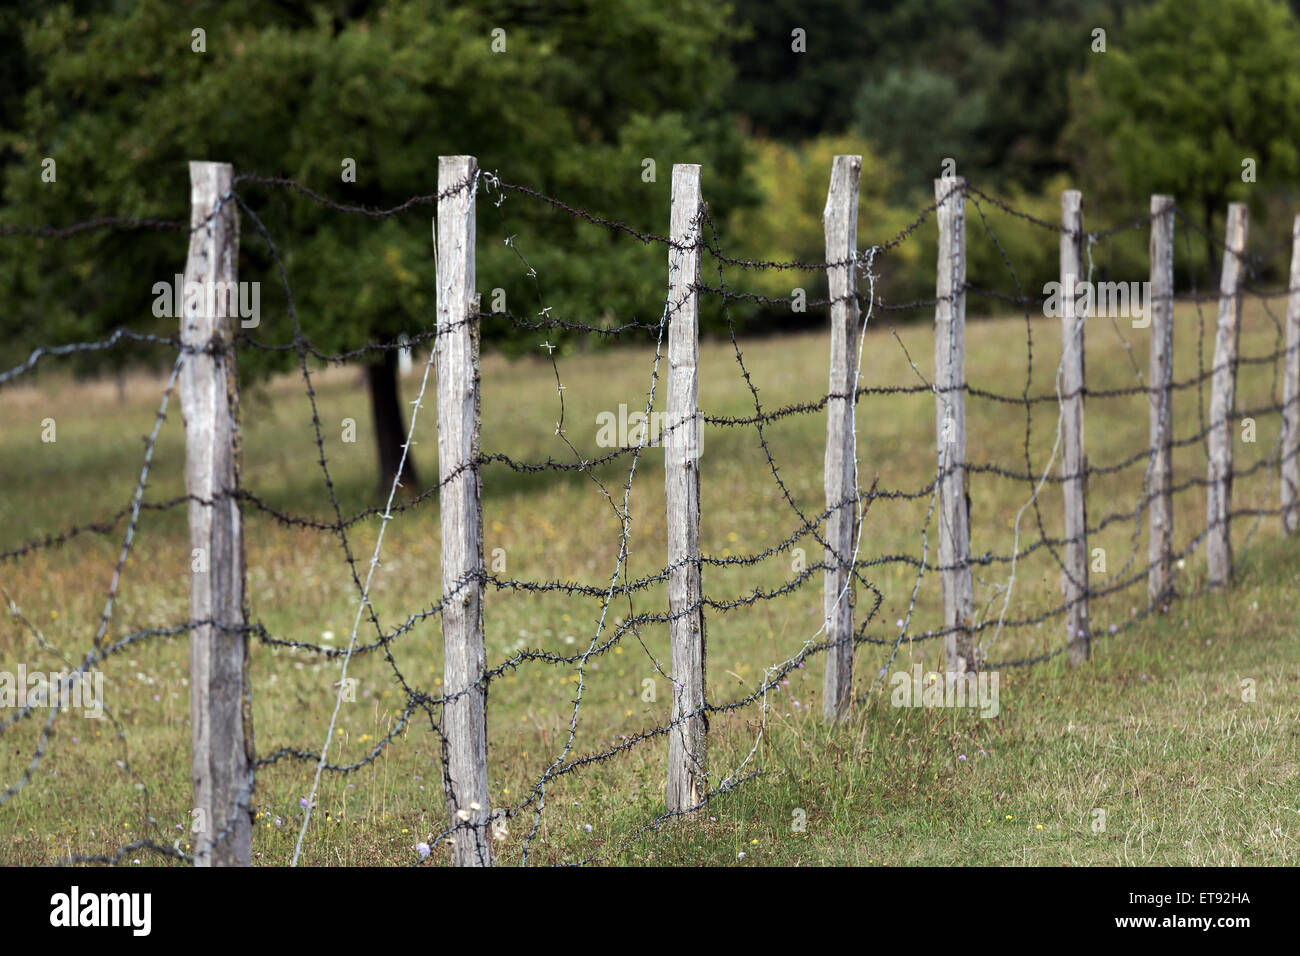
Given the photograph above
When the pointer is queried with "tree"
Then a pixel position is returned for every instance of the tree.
(788, 225)
(1185, 93)
(570, 103)
(1029, 81)
(919, 119)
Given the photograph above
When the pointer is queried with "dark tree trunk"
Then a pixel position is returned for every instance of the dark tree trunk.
(1210, 203)
(390, 428)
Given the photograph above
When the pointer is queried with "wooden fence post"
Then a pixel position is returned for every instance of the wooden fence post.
(1218, 551)
(464, 724)
(840, 223)
(1291, 395)
(219, 691)
(1160, 406)
(1074, 461)
(950, 383)
(687, 741)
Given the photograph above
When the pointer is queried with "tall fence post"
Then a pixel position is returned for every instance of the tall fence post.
(950, 383)
(1218, 551)
(464, 724)
(1291, 395)
(840, 223)
(1160, 407)
(1074, 461)
(219, 692)
(688, 740)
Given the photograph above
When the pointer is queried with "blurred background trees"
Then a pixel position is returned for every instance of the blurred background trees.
(1015, 92)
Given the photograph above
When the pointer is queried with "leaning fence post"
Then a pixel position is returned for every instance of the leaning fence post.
(464, 724)
(1074, 461)
(950, 385)
(219, 691)
(687, 741)
(1160, 408)
(840, 222)
(1291, 394)
(1218, 551)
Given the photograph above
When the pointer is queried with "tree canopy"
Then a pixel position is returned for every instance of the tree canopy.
(593, 101)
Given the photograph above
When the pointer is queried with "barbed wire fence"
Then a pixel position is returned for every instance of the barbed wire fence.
(207, 347)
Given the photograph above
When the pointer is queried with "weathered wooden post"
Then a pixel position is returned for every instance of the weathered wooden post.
(840, 223)
(1218, 551)
(1073, 459)
(1291, 395)
(1160, 406)
(219, 691)
(950, 385)
(688, 740)
(464, 724)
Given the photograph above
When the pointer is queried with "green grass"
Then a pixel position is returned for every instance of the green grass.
(1153, 731)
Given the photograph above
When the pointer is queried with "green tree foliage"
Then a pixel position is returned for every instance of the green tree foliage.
(1186, 92)
(574, 105)
(594, 101)
(982, 81)
(788, 225)
(920, 119)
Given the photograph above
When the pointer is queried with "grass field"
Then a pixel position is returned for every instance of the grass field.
(1153, 731)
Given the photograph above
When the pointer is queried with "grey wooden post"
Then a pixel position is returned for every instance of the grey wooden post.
(1073, 459)
(464, 656)
(687, 741)
(1291, 394)
(1218, 551)
(840, 223)
(209, 386)
(1160, 407)
(950, 381)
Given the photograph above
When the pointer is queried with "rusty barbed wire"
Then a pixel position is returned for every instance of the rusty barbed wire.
(417, 703)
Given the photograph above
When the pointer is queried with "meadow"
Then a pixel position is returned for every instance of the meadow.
(1154, 731)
